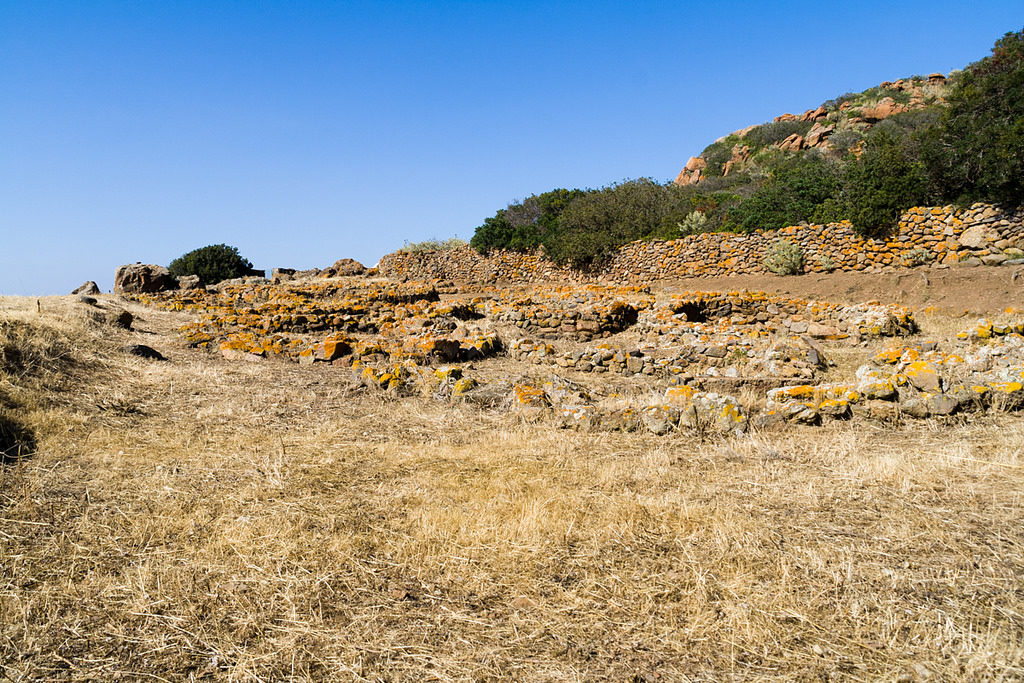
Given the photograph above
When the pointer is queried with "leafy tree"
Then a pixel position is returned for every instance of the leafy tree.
(212, 264)
(594, 225)
(883, 182)
(976, 151)
(524, 225)
(791, 194)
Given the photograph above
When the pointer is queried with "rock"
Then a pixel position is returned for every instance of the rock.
(977, 237)
(923, 376)
(883, 411)
(144, 351)
(941, 404)
(994, 259)
(970, 262)
(794, 143)
(660, 420)
(88, 287)
(817, 135)
(87, 300)
(692, 172)
(345, 266)
(189, 282)
(915, 407)
(716, 351)
(120, 318)
(814, 114)
(885, 108)
(139, 278)
(491, 395)
(819, 331)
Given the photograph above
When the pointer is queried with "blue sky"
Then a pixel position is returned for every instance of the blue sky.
(305, 132)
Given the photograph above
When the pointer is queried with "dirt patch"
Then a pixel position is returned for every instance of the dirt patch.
(953, 291)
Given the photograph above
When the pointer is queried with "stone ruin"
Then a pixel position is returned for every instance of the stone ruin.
(610, 357)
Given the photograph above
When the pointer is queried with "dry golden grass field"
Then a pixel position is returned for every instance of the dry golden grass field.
(209, 519)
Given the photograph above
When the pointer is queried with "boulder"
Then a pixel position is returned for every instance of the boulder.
(88, 287)
(977, 237)
(692, 172)
(140, 278)
(346, 266)
(817, 135)
(794, 143)
(885, 108)
(189, 282)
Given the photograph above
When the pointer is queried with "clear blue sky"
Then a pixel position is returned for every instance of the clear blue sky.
(304, 132)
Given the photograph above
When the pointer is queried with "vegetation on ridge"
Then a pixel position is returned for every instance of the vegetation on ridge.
(931, 142)
(212, 264)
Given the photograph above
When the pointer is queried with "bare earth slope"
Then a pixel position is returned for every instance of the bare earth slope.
(956, 291)
(212, 519)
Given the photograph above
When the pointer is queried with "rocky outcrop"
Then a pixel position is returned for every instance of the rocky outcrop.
(885, 108)
(692, 172)
(87, 288)
(342, 267)
(139, 278)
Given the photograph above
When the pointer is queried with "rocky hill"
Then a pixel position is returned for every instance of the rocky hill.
(835, 128)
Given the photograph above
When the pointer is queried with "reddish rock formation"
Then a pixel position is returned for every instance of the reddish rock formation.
(692, 172)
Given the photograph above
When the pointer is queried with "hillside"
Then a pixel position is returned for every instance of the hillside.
(862, 158)
(835, 128)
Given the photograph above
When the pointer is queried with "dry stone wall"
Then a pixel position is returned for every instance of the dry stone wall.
(979, 235)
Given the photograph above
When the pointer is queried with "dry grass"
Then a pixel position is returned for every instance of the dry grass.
(201, 519)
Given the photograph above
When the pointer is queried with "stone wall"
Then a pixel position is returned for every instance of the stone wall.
(979, 235)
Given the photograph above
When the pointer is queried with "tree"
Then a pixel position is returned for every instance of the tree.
(524, 225)
(594, 225)
(976, 151)
(883, 182)
(795, 189)
(212, 264)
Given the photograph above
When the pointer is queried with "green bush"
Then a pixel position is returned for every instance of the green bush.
(791, 194)
(524, 225)
(784, 257)
(976, 151)
(212, 264)
(918, 257)
(594, 225)
(771, 133)
(882, 183)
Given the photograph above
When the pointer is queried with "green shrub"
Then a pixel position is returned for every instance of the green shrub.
(882, 183)
(918, 257)
(525, 225)
(826, 263)
(790, 195)
(784, 257)
(695, 221)
(594, 225)
(771, 133)
(976, 151)
(716, 154)
(212, 264)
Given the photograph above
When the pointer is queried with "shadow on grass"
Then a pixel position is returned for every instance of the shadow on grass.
(16, 440)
